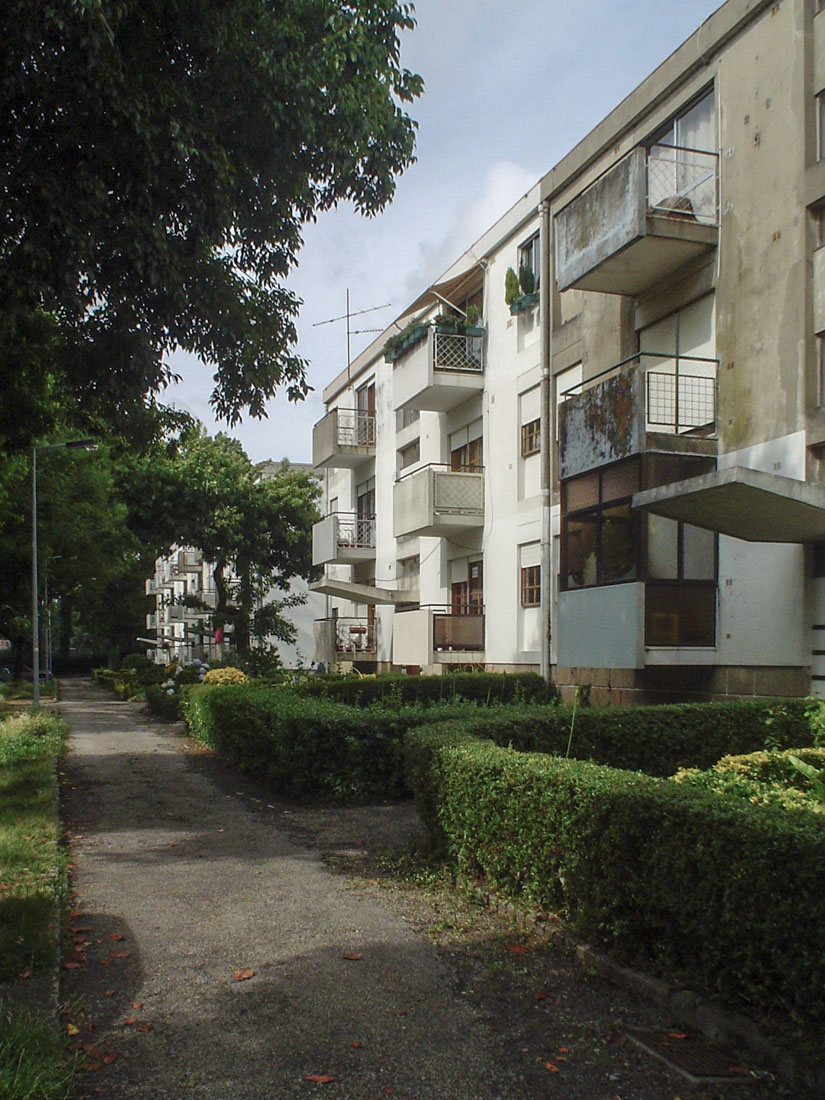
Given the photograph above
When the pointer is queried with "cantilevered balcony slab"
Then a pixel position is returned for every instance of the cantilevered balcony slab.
(364, 593)
(343, 439)
(439, 372)
(343, 538)
(744, 503)
(437, 501)
(644, 219)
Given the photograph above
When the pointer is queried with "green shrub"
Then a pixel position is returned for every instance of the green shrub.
(724, 892)
(488, 689)
(224, 676)
(767, 778)
(163, 702)
(305, 747)
(657, 739)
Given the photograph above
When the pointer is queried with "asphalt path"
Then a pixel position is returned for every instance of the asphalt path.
(211, 956)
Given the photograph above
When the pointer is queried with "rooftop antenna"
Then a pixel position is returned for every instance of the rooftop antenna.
(351, 331)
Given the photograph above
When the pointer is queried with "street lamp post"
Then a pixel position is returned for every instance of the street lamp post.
(74, 445)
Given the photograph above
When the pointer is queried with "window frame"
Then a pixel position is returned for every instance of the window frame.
(531, 438)
(531, 586)
(529, 255)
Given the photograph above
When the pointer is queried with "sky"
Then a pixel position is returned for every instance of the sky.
(507, 95)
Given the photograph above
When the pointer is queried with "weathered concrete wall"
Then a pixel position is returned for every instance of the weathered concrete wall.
(602, 425)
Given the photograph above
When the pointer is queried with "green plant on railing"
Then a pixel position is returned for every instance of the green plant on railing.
(816, 776)
(511, 286)
(472, 316)
(526, 279)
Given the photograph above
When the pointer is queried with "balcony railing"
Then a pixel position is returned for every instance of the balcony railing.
(354, 532)
(457, 351)
(356, 428)
(462, 631)
(343, 438)
(683, 183)
(680, 391)
(347, 637)
(642, 220)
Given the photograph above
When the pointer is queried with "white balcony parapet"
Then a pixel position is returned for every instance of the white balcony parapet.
(343, 438)
(437, 500)
(436, 634)
(440, 372)
(343, 537)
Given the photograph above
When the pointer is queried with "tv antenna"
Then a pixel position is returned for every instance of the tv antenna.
(352, 331)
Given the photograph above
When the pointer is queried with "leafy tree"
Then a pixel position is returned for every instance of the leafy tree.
(253, 524)
(160, 158)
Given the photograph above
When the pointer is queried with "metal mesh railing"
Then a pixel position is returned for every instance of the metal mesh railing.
(353, 636)
(683, 183)
(458, 493)
(456, 351)
(356, 428)
(354, 532)
(680, 402)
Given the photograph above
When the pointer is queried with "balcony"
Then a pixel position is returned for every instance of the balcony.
(151, 620)
(439, 372)
(343, 538)
(438, 501)
(187, 561)
(345, 640)
(649, 215)
(343, 439)
(435, 635)
(626, 409)
(151, 587)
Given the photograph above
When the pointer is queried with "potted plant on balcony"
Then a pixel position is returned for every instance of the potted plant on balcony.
(527, 285)
(447, 324)
(470, 325)
(400, 342)
(511, 287)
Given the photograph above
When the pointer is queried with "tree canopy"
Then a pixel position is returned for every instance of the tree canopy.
(158, 159)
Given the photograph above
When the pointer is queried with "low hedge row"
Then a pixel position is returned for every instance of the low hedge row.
(162, 703)
(305, 747)
(487, 688)
(657, 740)
(728, 893)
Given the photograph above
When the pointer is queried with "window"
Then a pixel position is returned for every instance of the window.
(531, 586)
(409, 454)
(529, 256)
(530, 438)
(365, 499)
(600, 532)
(469, 458)
(405, 417)
(820, 126)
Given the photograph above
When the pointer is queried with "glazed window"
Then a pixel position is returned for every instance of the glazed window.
(600, 532)
(531, 586)
(530, 438)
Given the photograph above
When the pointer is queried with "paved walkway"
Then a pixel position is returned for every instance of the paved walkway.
(196, 884)
(187, 880)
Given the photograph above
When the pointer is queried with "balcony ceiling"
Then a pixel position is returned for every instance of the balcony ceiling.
(363, 593)
(744, 503)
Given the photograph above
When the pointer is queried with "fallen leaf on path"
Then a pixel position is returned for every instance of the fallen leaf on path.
(130, 1021)
(72, 1030)
(116, 936)
(81, 928)
(677, 1035)
(93, 1051)
(353, 958)
(25, 974)
(121, 954)
(516, 948)
(551, 1066)
(320, 1078)
(137, 1004)
(541, 996)
(243, 975)
(564, 1050)
(89, 1067)
(109, 1058)
(403, 1012)
(71, 966)
(110, 993)
(356, 1046)
(741, 1071)
(146, 1027)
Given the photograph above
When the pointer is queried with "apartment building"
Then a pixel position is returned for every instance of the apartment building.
(615, 476)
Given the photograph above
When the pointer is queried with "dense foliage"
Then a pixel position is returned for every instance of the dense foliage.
(307, 748)
(485, 688)
(159, 160)
(725, 892)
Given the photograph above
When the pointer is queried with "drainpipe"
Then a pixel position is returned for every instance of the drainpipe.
(546, 321)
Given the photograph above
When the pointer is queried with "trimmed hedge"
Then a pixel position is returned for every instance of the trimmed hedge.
(658, 739)
(304, 747)
(727, 893)
(487, 688)
(162, 704)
